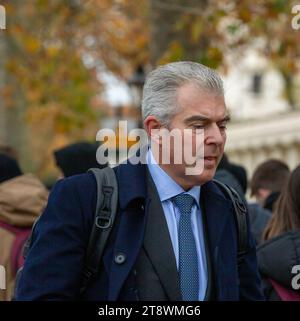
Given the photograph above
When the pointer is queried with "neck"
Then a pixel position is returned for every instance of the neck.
(179, 180)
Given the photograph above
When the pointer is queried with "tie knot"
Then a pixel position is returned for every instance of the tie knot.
(184, 202)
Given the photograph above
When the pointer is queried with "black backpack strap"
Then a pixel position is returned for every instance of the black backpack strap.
(240, 209)
(106, 209)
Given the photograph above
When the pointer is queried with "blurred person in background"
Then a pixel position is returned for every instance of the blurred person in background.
(22, 199)
(77, 158)
(9, 151)
(236, 176)
(233, 175)
(281, 250)
(266, 184)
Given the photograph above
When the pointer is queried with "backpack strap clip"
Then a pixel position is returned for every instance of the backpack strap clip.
(106, 209)
(103, 219)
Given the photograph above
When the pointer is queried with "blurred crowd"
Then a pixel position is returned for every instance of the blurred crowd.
(23, 196)
(274, 214)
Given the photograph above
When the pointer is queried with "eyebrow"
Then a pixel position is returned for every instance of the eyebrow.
(204, 118)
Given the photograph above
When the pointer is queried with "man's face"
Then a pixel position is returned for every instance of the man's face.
(199, 109)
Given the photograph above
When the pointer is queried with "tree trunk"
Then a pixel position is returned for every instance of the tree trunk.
(12, 117)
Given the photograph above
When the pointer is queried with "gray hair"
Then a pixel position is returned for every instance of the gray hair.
(160, 89)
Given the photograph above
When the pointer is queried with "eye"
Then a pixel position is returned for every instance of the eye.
(222, 126)
(198, 126)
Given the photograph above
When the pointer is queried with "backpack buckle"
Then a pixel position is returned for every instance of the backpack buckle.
(103, 222)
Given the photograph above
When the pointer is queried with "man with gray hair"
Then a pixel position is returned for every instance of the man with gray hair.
(175, 234)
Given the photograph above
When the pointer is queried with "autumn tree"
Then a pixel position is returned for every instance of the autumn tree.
(208, 31)
(52, 54)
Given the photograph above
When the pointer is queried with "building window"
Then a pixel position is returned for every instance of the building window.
(257, 84)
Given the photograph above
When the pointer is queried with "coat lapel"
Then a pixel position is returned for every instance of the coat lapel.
(158, 246)
(131, 229)
(136, 205)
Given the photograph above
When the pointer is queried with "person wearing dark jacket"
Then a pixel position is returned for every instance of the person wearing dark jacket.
(224, 176)
(276, 259)
(76, 158)
(236, 176)
(175, 235)
(238, 173)
(279, 256)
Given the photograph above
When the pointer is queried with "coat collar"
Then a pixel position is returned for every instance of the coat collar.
(132, 181)
(133, 187)
(158, 245)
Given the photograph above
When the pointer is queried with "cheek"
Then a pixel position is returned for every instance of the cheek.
(223, 142)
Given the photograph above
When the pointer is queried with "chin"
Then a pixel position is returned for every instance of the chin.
(206, 176)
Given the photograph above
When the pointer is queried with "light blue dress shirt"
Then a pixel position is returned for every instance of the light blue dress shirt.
(168, 188)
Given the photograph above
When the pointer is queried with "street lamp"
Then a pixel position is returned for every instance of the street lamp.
(136, 84)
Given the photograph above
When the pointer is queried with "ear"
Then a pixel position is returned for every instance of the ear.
(152, 124)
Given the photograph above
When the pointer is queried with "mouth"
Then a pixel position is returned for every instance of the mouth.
(210, 160)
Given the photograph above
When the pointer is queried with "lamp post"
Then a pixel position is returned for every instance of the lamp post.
(136, 84)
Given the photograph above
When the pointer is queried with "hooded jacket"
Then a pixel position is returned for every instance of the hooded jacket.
(276, 259)
(22, 200)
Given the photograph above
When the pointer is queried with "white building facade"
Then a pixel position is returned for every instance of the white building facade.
(263, 125)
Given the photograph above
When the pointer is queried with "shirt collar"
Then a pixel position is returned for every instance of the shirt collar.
(165, 185)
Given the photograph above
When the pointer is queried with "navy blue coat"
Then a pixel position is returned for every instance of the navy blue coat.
(53, 268)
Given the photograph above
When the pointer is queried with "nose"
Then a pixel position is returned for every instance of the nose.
(214, 135)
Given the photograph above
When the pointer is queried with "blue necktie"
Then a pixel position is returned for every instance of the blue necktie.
(188, 261)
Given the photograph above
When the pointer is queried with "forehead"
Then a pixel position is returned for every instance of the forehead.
(193, 100)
